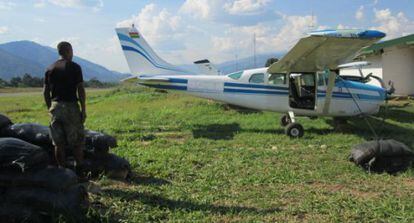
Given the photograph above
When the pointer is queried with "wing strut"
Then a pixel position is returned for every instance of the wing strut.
(329, 91)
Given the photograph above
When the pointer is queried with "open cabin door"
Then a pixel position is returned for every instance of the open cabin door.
(303, 90)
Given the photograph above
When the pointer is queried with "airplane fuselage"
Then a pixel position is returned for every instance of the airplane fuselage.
(254, 89)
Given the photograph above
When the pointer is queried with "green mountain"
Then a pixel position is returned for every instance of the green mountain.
(18, 58)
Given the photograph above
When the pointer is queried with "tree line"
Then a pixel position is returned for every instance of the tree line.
(29, 81)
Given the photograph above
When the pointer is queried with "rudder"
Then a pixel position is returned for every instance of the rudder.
(141, 58)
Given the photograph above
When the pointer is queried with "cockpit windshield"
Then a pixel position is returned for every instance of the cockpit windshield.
(236, 75)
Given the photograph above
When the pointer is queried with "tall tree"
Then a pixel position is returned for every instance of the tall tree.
(15, 81)
(3, 83)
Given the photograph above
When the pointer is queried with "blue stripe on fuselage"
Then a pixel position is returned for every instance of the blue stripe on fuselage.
(250, 91)
(178, 80)
(229, 84)
(166, 87)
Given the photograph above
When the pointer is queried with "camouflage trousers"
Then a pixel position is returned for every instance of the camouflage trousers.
(66, 127)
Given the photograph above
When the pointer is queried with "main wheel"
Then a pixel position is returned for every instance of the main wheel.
(285, 120)
(294, 130)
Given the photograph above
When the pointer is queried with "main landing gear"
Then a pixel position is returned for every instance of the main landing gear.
(292, 129)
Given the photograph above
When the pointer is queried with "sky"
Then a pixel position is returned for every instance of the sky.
(184, 31)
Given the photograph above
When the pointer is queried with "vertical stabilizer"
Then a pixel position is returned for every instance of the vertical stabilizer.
(141, 58)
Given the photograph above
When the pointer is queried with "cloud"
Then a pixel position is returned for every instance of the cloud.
(39, 20)
(235, 37)
(95, 5)
(7, 5)
(181, 39)
(200, 8)
(40, 4)
(294, 28)
(242, 7)
(3, 29)
(394, 25)
(359, 14)
(235, 12)
(156, 24)
(239, 40)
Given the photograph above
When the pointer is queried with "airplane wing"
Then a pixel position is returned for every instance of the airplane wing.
(206, 67)
(325, 50)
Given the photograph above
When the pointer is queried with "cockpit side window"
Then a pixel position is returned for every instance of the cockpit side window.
(236, 75)
(307, 79)
(277, 79)
(322, 79)
(257, 78)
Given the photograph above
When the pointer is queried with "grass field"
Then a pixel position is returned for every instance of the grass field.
(199, 161)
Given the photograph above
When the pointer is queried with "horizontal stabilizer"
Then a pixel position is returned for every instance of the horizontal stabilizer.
(206, 67)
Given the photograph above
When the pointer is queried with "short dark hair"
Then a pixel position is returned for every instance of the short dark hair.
(63, 48)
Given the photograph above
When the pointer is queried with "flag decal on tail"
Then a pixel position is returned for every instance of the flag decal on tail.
(134, 35)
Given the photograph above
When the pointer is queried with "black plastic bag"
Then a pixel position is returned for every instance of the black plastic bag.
(4, 122)
(382, 156)
(53, 179)
(99, 143)
(116, 167)
(111, 165)
(95, 142)
(16, 154)
(18, 213)
(30, 132)
(71, 204)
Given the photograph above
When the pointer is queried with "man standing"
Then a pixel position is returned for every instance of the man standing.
(63, 89)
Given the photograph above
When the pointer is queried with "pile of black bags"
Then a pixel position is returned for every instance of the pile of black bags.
(380, 156)
(97, 146)
(32, 189)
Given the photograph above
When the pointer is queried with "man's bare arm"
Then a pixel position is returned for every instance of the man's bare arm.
(46, 95)
(82, 100)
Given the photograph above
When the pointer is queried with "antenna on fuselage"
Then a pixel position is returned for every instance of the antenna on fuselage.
(237, 62)
(312, 23)
(254, 49)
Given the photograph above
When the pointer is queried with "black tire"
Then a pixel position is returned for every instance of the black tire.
(294, 130)
(285, 120)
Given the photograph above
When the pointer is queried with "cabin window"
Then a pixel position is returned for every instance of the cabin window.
(322, 79)
(257, 78)
(236, 75)
(277, 78)
(307, 79)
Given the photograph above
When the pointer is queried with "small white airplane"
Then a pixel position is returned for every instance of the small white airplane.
(305, 82)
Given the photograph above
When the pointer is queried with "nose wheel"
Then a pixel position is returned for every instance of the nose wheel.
(292, 129)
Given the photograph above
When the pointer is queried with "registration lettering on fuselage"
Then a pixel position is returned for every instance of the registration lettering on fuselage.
(205, 86)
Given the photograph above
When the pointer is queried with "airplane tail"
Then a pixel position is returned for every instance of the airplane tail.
(206, 67)
(141, 58)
